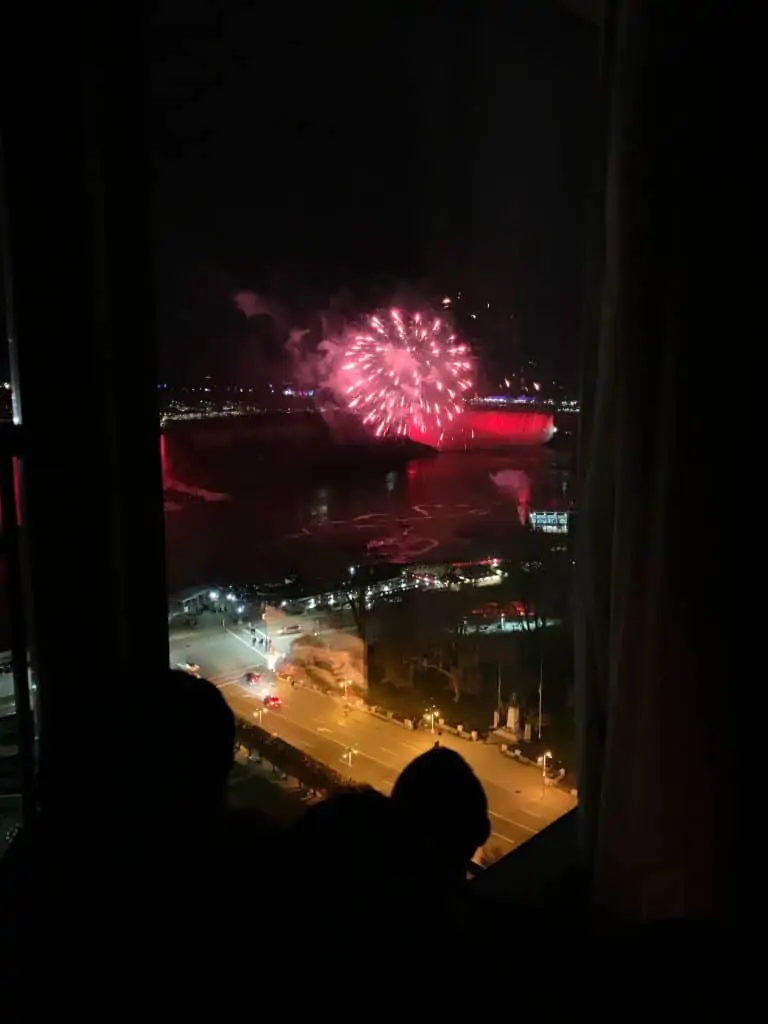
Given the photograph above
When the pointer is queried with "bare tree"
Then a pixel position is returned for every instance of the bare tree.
(458, 661)
(355, 599)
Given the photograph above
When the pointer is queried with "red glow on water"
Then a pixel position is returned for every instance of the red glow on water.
(476, 429)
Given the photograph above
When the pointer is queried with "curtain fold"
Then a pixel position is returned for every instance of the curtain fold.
(651, 664)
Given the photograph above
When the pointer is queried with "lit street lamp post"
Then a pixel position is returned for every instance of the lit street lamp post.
(544, 757)
(431, 715)
(347, 755)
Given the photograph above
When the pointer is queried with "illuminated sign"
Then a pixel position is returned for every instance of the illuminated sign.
(549, 522)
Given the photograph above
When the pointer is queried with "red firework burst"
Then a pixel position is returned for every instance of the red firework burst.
(405, 373)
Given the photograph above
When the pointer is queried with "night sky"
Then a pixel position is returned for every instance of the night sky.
(303, 154)
(299, 157)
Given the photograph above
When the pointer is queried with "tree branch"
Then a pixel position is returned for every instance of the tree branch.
(357, 607)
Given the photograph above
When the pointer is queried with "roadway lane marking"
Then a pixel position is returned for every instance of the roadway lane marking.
(305, 744)
(251, 647)
(384, 764)
(362, 753)
(376, 760)
(498, 835)
(342, 743)
(517, 824)
(222, 681)
(238, 676)
(387, 750)
(226, 677)
(535, 814)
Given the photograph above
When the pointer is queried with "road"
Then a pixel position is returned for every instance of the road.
(316, 723)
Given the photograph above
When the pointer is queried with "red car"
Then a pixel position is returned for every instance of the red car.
(252, 677)
(272, 702)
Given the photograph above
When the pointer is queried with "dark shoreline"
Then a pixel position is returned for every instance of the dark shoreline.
(302, 440)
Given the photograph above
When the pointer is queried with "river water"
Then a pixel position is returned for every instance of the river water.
(259, 516)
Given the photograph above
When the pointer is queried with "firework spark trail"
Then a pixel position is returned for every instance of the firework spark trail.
(405, 373)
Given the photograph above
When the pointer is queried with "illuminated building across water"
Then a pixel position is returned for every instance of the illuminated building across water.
(549, 522)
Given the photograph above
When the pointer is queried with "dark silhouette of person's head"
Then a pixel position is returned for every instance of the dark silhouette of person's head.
(439, 795)
(355, 832)
(151, 846)
(180, 750)
(353, 862)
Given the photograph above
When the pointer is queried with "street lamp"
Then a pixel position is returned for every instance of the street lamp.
(258, 714)
(544, 757)
(347, 755)
(345, 684)
(431, 714)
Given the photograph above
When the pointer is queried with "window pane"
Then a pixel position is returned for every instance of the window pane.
(367, 431)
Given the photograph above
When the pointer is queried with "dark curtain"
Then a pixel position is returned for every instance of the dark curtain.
(661, 640)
